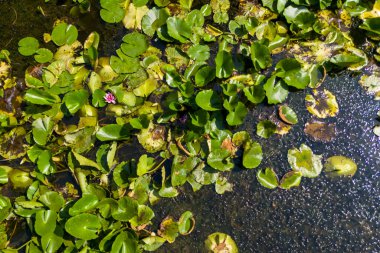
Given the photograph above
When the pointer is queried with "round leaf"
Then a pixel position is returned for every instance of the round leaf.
(83, 226)
(28, 46)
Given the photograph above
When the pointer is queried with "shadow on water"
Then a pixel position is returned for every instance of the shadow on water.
(322, 215)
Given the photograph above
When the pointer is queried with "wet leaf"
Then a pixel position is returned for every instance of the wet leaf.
(153, 138)
(45, 163)
(291, 72)
(291, 179)
(5, 207)
(152, 243)
(305, 161)
(340, 166)
(83, 226)
(51, 242)
(220, 242)
(199, 53)
(144, 215)
(267, 178)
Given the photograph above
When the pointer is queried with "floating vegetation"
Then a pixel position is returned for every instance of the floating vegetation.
(136, 126)
(321, 131)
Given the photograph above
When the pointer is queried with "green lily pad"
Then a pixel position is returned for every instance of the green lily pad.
(113, 132)
(266, 129)
(64, 34)
(45, 222)
(305, 161)
(53, 200)
(5, 207)
(28, 46)
(124, 243)
(169, 229)
(291, 179)
(51, 242)
(74, 100)
(260, 55)
(204, 75)
(43, 55)
(253, 155)
(199, 53)
(40, 97)
(153, 20)
(144, 215)
(340, 166)
(208, 100)
(224, 64)
(153, 138)
(112, 10)
(134, 44)
(288, 115)
(220, 242)
(268, 178)
(84, 226)
(186, 223)
(84, 204)
(276, 92)
(178, 29)
(220, 160)
(42, 129)
(127, 209)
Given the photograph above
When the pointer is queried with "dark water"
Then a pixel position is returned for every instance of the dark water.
(322, 215)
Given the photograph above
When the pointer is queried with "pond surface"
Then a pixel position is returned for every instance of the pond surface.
(322, 215)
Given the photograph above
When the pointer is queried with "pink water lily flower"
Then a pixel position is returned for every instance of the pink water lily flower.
(110, 98)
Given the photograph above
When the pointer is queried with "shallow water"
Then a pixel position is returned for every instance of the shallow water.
(322, 215)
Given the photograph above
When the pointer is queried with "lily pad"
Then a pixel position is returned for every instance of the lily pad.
(266, 128)
(208, 100)
(28, 46)
(290, 180)
(305, 161)
(253, 155)
(340, 166)
(84, 226)
(64, 34)
(220, 242)
(320, 131)
(288, 115)
(267, 178)
(323, 104)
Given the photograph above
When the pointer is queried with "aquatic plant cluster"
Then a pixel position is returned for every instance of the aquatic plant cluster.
(76, 113)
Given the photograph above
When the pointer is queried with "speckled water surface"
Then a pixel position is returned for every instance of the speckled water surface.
(322, 215)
